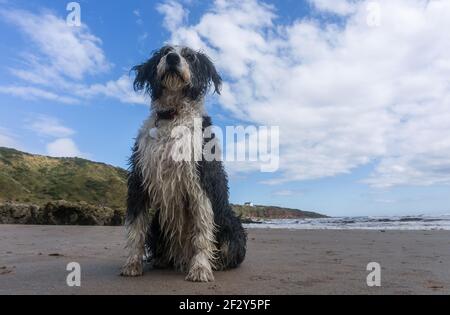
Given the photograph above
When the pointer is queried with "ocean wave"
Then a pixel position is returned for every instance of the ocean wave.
(418, 222)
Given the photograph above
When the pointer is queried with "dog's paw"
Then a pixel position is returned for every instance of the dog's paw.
(200, 269)
(132, 269)
(200, 274)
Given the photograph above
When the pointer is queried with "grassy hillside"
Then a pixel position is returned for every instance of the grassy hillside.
(38, 179)
(36, 189)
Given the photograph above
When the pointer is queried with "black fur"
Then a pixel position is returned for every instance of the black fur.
(146, 78)
(230, 231)
(203, 73)
(155, 244)
(138, 198)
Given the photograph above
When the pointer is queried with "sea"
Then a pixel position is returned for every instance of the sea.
(417, 222)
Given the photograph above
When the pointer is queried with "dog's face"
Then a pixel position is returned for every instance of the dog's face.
(179, 70)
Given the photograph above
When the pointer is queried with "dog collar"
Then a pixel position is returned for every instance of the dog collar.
(166, 114)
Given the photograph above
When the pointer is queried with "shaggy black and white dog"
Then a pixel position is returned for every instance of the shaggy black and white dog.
(194, 229)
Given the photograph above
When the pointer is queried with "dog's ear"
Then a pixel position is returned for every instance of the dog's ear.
(208, 74)
(146, 74)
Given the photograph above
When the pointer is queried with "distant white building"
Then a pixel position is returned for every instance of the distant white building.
(249, 204)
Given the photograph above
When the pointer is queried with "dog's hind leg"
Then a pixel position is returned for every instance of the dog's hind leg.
(137, 222)
(231, 239)
(230, 236)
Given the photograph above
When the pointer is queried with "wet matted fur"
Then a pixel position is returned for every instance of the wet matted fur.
(194, 229)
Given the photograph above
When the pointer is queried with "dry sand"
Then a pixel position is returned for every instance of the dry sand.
(33, 260)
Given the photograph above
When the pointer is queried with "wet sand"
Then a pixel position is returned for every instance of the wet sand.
(33, 260)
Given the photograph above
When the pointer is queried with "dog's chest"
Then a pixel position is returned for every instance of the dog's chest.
(167, 155)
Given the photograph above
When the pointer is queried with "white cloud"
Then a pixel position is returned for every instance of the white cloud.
(137, 13)
(174, 14)
(67, 51)
(58, 59)
(121, 89)
(50, 126)
(61, 143)
(64, 147)
(60, 146)
(7, 139)
(33, 93)
(344, 96)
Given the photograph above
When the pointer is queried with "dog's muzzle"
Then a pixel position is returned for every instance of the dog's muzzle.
(173, 65)
(175, 72)
(173, 60)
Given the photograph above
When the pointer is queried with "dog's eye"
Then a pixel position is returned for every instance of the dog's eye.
(189, 57)
(167, 50)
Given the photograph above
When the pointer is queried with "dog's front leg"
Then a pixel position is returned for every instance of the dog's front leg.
(136, 234)
(203, 242)
(137, 222)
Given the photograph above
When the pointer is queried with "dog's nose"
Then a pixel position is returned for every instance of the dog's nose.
(173, 59)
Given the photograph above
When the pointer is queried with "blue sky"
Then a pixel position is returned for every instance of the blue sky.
(362, 106)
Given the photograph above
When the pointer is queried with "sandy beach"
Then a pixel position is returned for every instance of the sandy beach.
(33, 260)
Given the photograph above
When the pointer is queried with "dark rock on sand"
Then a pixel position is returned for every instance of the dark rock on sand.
(60, 213)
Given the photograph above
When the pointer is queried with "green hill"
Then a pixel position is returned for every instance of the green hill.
(37, 189)
(27, 178)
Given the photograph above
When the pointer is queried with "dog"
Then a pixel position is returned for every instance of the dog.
(194, 229)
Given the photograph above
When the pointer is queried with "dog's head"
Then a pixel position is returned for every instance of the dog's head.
(179, 70)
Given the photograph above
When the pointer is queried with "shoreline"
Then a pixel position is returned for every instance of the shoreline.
(33, 260)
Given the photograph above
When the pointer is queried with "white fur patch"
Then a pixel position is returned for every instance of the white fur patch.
(154, 133)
